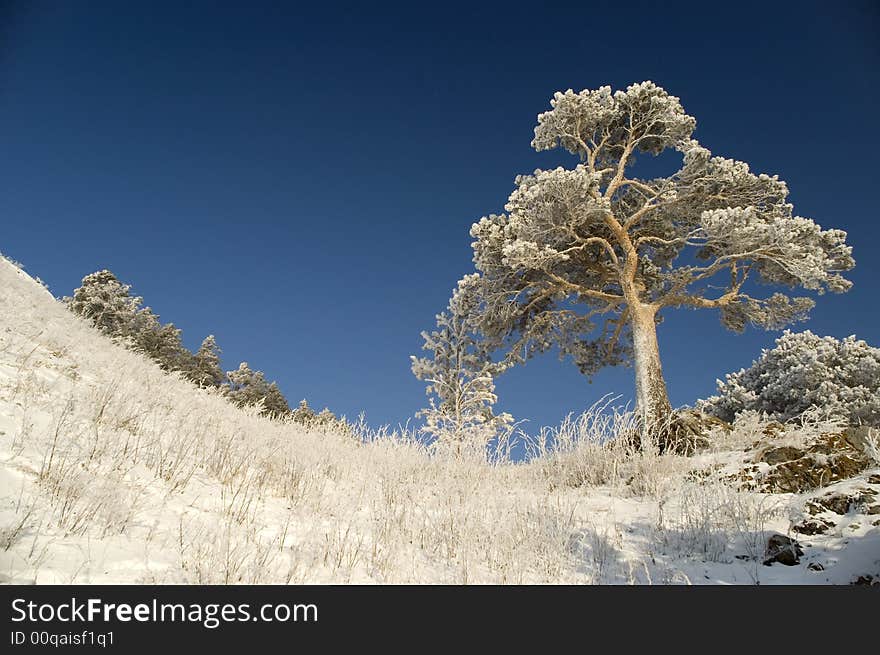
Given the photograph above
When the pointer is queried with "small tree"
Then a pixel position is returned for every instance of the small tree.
(460, 375)
(169, 351)
(274, 402)
(307, 416)
(587, 259)
(303, 413)
(205, 369)
(247, 387)
(842, 377)
(107, 302)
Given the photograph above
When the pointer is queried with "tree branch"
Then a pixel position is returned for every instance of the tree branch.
(621, 322)
(588, 241)
(590, 293)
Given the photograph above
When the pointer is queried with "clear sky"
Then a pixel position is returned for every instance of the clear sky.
(299, 178)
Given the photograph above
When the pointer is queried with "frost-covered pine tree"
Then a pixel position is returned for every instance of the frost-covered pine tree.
(113, 310)
(161, 343)
(168, 349)
(303, 413)
(248, 387)
(587, 259)
(205, 367)
(274, 402)
(108, 302)
(803, 370)
(460, 376)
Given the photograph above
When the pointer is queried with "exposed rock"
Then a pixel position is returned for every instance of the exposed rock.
(773, 429)
(867, 581)
(702, 474)
(874, 479)
(782, 549)
(812, 526)
(839, 503)
(745, 477)
(858, 435)
(780, 455)
(818, 463)
(815, 566)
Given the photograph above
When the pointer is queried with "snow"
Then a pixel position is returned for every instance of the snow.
(112, 471)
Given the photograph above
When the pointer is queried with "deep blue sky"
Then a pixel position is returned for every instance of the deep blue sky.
(299, 178)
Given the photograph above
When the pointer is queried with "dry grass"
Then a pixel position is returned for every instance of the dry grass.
(109, 449)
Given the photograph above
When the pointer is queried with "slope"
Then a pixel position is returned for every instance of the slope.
(112, 471)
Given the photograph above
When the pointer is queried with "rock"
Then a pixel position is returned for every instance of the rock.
(782, 549)
(812, 526)
(858, 435)
(780, 455)
(818, 463)
(839, 503)
(773, 429)
(874, 479)
(815, 566)
(867, 581)
(701, 474)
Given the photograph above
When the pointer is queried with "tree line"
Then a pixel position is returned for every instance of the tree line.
(109, 304)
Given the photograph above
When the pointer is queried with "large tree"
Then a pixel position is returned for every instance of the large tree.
(586, 259)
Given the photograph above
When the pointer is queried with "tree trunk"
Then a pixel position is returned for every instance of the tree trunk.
(652, 401)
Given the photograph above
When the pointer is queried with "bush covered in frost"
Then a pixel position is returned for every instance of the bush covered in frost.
(804, 370)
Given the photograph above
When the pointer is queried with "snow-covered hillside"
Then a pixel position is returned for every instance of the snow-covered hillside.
(113, 471)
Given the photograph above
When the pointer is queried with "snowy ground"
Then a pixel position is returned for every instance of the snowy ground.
(112, 471)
